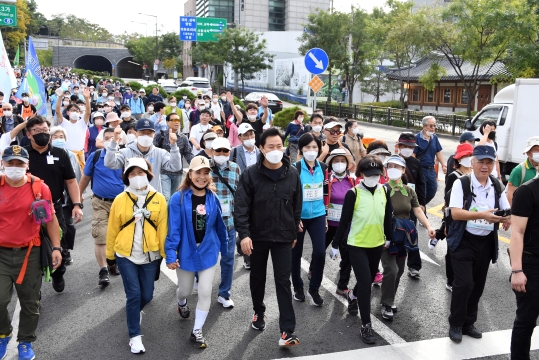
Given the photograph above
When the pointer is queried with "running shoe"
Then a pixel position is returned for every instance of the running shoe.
(259, 322)
(299, 294)
(184, 311)
(367, 334)
(353, 307)
(198, 339)
(449, 287)
(136, 345)
(413, 273)
(378, 278)
(315, 297)
(26, 352)
(3, 345)
(246, 262)
(103, 277)
(387, 312)
(226, 301)
(288, 339)
(394, 308)
(343, 293)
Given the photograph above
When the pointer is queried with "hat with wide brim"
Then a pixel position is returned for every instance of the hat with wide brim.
(533, 141)
(339, 152)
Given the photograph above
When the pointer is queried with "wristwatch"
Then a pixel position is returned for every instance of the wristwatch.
(81, 205)
(57, 248)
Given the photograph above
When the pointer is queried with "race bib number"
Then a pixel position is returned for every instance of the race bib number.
(313, 192)
(480, 224)
(334, 212)
(225, 207)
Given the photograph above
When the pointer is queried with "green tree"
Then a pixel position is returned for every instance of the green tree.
(210, 53)
(169, 64)
(71, 26)
(476, 33)
(45, 57)
(432, 76)
(328, 31)
(143, 50)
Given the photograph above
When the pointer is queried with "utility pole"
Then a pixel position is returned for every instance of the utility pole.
(156, 45)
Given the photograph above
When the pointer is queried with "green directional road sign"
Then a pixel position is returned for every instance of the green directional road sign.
(8, 15)
(208, 28)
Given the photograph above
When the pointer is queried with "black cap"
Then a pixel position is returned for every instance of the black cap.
(407, 138)
(125, 106)
(15, 152)
(467, 136)
(145, 124)
(369, 167)
(484, 152)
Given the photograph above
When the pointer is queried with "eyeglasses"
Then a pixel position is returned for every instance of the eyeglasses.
(226, 151)
(175, 120)
(40, 131)
(334, 132)
(430, 125)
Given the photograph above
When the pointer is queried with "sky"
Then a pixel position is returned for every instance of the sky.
(117, 16)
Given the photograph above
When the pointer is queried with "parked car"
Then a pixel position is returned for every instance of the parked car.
(274, 103)
(170, 86)
(200, 84)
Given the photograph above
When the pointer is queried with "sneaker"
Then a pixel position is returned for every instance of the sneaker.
(136, 345)
(3, 345)
(455, 334)
(378, 278)
(68, 259)
(113, 270)
(367, 334)
(198, 339)
(343, 293)
(226, 301)
(353, 307)
(184, 311)
(259, 322)
(413, 273)
(299, 295)
(58, 284)
(288, 339)
(103, 277)
(387, 312)
(449, 287)
(315, 297)
(26, 352)
(394, 309)
(246, 262)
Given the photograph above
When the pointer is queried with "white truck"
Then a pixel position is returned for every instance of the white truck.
(514, 110)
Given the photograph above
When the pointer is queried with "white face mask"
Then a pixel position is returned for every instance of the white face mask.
(111, 97)
(106, 144)
(215, 100)
(173, 104)
(467, 162)
(371, 181)
(208, 144)
(310, 155)
(317, 128)
(150, 108)
(131, 137)
(187, 106)
(126, 114)
(406, 152)
(66, 103)
(15, 173)
(249, 143)
(429, 133)
(220, 159)
(339, 168)
(355, 131)
(8, 113)
(223, 98)
(74, 116)
(98, 122)
(251, 117)
(26, 98)
(145, 140)
(300, 119)
(138, 182)
(274, 157)
(535, 156)
(394, 174)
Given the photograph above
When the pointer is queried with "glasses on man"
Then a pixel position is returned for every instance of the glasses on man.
(431, 125)
(224, 151)
(40, 131)
(175, 120)
(335, 132)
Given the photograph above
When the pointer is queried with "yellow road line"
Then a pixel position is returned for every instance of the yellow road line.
(437, 211)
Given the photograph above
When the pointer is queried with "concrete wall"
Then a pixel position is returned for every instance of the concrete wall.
(298, 10)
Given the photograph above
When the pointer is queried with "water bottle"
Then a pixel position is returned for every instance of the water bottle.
(432, 243)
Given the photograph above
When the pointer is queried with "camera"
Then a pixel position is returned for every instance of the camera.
(503, 213)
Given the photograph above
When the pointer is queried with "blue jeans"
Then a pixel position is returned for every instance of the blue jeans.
(317, 231)
(227, 265)
(138, 285)
(431, 184)
(169, 184)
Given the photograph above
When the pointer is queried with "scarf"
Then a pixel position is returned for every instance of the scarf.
(399, 186)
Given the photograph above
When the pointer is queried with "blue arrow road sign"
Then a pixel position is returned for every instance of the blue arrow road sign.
(316, 61)
(188, 28)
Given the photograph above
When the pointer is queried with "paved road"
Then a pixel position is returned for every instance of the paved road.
(86, 322)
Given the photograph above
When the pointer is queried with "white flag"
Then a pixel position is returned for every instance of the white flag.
(7, 76)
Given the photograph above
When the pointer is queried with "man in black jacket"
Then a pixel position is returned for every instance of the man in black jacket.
(414, 178)
(273, 185)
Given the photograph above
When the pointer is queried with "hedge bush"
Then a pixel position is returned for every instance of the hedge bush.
(285, 116)
(135, 85)
(162, 91)
(180, 93)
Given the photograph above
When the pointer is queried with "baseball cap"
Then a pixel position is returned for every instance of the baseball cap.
(15, 152)
(145, 124)
(98, 114)
(221, 143)
(533, 141)
(467, 136)
(484, 152)
(407, 138)
(136, 161)
(463, 150)
(199, 92)
(370, 168)
(142, 91)
(244, 128)
(112, 116)
(199, 162)
(125, 106)
(380, 151)
(396, 159)
(331, 125)
(217, 128)
(209, 136)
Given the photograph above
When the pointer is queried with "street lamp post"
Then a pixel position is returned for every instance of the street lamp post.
(145, 24)
(156, 43)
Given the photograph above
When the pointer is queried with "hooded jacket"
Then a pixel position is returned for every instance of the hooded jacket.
(160, 159)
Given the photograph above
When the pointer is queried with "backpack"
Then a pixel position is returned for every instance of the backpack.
(404, 232)
(130, 221)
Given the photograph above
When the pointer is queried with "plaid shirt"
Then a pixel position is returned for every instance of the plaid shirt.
(183, 144)
(231, 174)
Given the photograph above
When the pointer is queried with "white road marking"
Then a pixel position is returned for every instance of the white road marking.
(12, 351)
(492, 343)
(427, 258)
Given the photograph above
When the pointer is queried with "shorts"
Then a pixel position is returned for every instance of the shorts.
(100, 220)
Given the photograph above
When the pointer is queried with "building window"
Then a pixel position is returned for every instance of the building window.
(277, 15)
(463, 98)
(446, 96)
(415, 95)
(429, 98)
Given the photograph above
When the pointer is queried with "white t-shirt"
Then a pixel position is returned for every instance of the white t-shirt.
(123, 137)
(76, 134)
(483, 200)
(186, 124)
(216, 108)
(5, 141)
(196, 132)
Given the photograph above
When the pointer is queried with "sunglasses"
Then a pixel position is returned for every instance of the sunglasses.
(175, 120)
(226, 151)
(334, 132)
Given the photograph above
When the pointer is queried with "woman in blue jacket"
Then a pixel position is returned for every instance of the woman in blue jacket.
(314, 182)
(196, 233)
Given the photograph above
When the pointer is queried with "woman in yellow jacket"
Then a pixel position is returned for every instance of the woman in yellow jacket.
(135, 241)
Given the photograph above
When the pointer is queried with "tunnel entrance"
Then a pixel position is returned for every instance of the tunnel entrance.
(93, 63)
(126, 69)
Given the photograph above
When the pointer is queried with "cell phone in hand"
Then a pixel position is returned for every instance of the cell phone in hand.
(503, 213)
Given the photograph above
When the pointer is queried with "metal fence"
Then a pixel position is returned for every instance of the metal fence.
(409, 119)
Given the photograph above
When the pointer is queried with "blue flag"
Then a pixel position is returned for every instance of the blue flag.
(33, 82)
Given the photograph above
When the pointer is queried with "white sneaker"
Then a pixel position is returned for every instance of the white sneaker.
(136, 345)
(227, 302)
(413, 273)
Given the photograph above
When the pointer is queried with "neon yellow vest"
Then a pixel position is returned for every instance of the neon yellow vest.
(367, 230)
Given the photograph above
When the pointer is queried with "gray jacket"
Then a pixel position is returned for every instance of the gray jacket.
(237, 155)
(159, 159)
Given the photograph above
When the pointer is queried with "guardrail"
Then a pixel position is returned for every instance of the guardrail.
(445, 123)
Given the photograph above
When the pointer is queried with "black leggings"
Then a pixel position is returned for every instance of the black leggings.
(365, 263)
